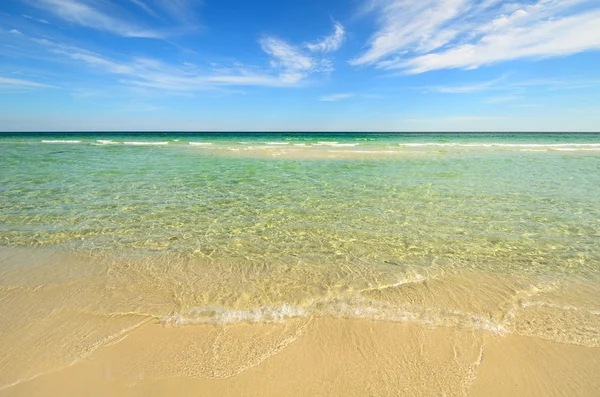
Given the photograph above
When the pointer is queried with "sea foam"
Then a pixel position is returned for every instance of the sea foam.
(145, 143)
(220, 315)
(556, 146)
(61, 141)
(338, 308)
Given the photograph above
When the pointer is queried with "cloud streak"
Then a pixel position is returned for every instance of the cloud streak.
(465, 88)
(336, 97)
(501, 84)
(89, 15)
(288, 67)
(329, 43)
(181, 10)
(146, 8)
(417, 36)
(293, 65)
(4, 81)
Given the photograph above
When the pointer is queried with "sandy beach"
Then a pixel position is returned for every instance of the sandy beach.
(323, 357)
(470, 269)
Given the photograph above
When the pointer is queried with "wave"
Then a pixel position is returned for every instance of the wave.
(507, 145)
(221, 315)
(375, 151)
(106, 142)
(335, 144)
(145, 143)
(594, 312)
(200, 143)
(577, 149)
(358, 309)
(61, 141)
(277, 143)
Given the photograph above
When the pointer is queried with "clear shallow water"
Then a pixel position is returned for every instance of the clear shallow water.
(475, 203)
(499, 233)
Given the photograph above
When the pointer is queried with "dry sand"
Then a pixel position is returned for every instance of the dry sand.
(323, 357)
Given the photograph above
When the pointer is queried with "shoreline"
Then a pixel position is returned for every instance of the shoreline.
(138, 326)
(259, 265)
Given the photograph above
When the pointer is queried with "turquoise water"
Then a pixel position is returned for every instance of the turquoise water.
(453, 197)
(494, 232)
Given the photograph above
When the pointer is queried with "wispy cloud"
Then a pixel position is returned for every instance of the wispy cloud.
(502, 99)
(182, 10)
(452, 119)
(145, 7)
(40, 20)
(15, 32)
(4, 81)
(336, 97)
(553, 84)
(293, 64)
(422, 35)
(90, 15)
(329, 43)
(465, 88)
(287, 67)
(513, 89)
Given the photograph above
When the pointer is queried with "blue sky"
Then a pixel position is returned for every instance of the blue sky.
(324, 65)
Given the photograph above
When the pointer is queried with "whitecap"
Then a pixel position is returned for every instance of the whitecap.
(145, 143)
(60, 141)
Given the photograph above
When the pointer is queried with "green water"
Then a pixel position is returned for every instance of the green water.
(498, 207)
(494, 231)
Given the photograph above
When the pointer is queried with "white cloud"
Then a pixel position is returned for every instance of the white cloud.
(336, 97)
(293, 64)
(83, 13)
(145, 7)
(465, 88)
(21, 83)
(36, 19)
(411, 24)
(453, 119)
(513, 90)
(329, 43)
(182, 10)
(288, 67)
(16, 32)
(98, 61)
(422, 35)
(501, 99)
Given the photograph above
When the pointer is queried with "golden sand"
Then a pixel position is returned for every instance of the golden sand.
(323, 357)
(83, 324)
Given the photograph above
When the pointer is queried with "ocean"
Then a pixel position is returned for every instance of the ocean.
(102, 232)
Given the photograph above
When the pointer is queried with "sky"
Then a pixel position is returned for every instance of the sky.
(309, 65)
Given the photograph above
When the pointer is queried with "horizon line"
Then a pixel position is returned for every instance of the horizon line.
(288, 132)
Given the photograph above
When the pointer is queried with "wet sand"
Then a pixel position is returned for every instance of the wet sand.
(88, 324)
(323, 357)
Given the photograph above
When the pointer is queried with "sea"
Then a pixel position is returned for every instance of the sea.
(102, 232)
